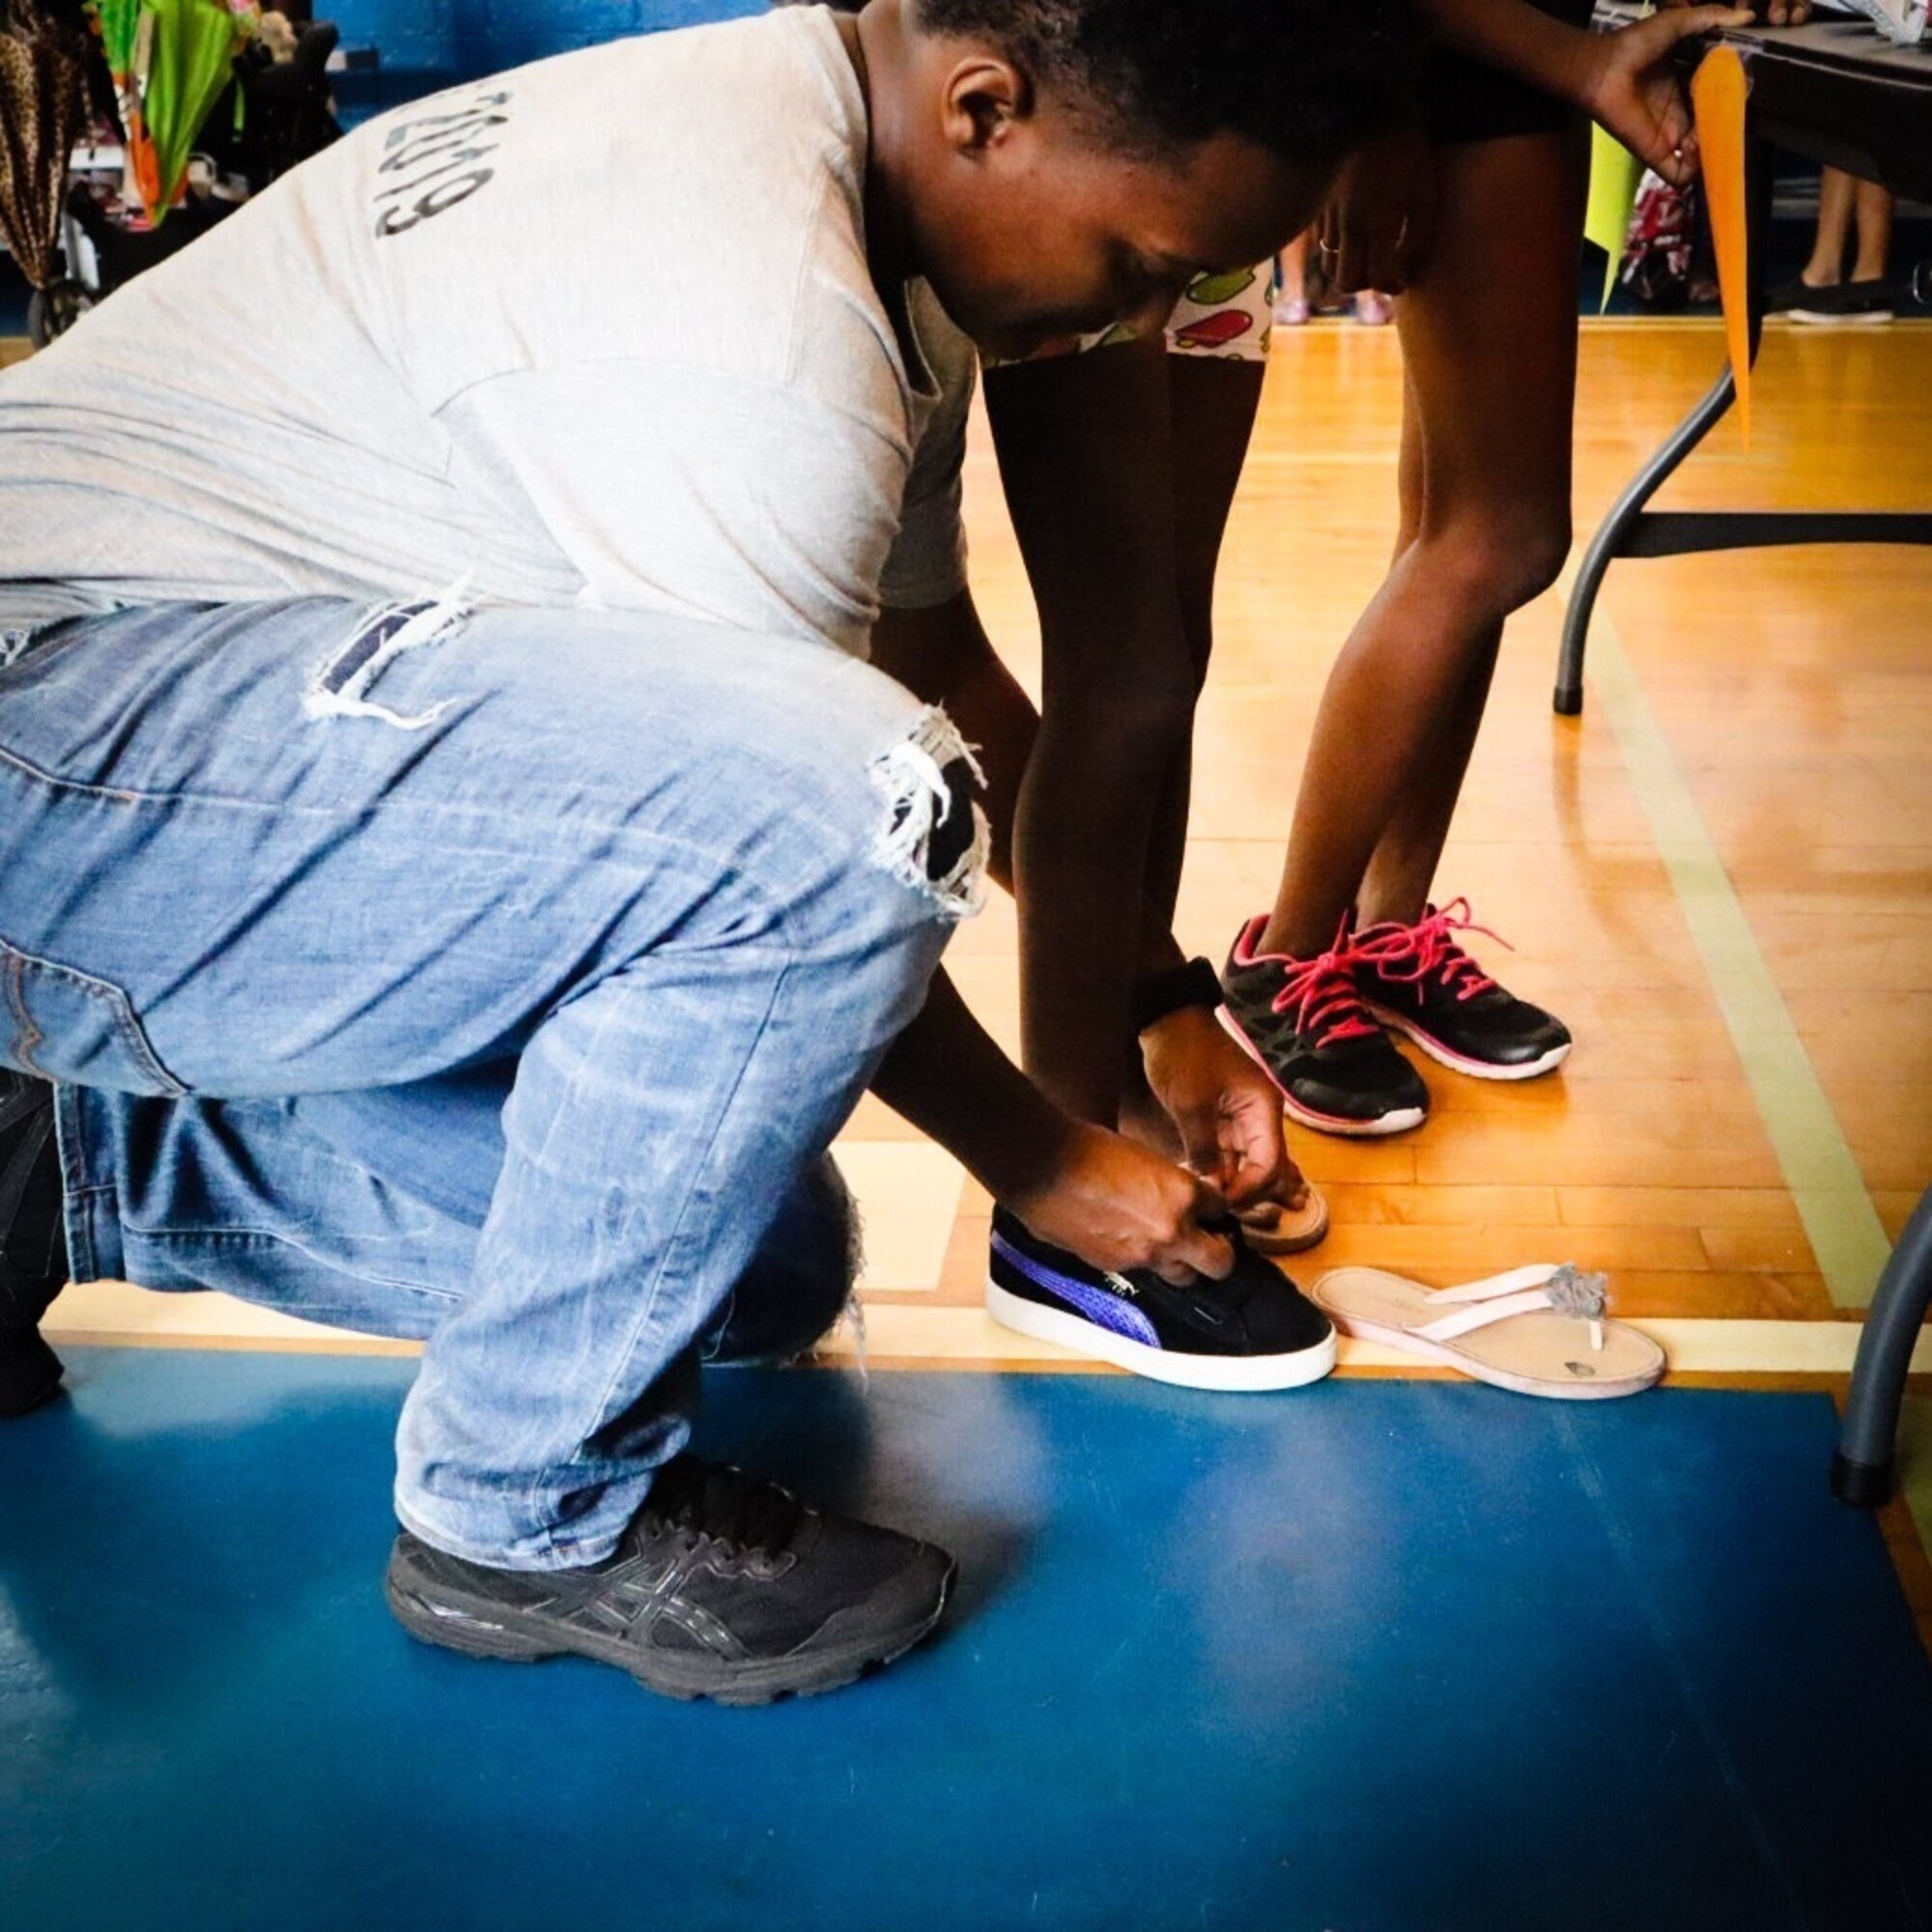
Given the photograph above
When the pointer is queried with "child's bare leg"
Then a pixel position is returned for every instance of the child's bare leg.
(1489, 334)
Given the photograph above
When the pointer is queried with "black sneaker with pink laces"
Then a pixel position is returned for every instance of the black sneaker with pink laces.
(1305, 1021)
(1418, 979)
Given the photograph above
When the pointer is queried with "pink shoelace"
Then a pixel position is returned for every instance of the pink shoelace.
(1428, 949)
(1321, 991)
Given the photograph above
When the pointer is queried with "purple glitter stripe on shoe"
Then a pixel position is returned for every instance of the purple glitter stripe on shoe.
(1102, 1309)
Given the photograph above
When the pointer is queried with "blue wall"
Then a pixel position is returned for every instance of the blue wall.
(428, 44)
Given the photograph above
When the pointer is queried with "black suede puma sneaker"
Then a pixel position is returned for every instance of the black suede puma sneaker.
(1418, 979)
(1254, 1331)
(33, 1244)
(723, 1586)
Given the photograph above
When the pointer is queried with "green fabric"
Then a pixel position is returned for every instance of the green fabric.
(194, 46)
(118, 20)
(1615, 174)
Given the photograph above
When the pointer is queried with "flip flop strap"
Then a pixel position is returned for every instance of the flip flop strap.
(1491, 1286)
(1465, 1320)
(1524, 1291)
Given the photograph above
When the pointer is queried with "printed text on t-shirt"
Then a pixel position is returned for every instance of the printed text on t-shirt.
(432, 162)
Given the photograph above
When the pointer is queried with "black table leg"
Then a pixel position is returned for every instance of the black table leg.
(1612, 533)
(1613, 538)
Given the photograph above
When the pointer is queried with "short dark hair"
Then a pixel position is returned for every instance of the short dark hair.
(1309, 79)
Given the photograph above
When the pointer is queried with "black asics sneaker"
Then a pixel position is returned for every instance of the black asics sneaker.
(1253, 1331)
(32, 1246)
(724, 1586)
(1418, 979)
(1304, 1021)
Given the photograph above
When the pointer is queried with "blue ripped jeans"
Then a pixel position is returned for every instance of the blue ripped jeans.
(495, 979)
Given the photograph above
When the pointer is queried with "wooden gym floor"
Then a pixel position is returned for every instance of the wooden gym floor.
(1721, 876)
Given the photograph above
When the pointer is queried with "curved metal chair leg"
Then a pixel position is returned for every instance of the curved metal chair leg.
(1608, 543)
(1867, 1454)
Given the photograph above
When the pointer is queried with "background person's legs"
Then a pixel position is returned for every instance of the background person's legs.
(640, 858)
(1291, 303)
(1876, 206)
(1835, 196)
(1854, 215)
(1849, 212)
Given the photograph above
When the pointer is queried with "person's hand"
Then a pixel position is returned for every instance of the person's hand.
(1226, 1110)
(1632, 86)
(1374, 228)
(1773, 12)
(1117, 1205)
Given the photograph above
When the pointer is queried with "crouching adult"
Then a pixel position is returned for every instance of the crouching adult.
(457, 872)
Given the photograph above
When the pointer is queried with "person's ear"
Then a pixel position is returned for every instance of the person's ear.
(984, 99)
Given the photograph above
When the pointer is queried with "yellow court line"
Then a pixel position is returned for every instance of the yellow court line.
(1819, 1169)
(116, 1315)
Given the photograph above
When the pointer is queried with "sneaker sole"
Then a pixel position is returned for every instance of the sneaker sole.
(1458, 1062)
(480, 1626)
(1397, 1121)
(1243, 1374)
(1822, 318)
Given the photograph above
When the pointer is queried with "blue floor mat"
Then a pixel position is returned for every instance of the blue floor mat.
(1379, 1655)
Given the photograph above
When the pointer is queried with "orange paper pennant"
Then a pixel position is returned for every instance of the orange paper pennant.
(1718, 95)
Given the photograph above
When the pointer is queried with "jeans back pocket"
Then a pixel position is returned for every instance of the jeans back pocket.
(65, 1025)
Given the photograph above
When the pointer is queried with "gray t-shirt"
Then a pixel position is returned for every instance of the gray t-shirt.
(598, 331)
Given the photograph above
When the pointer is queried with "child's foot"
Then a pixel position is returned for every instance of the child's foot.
(1418, 979)
(1844, 303)
(1291, 311)
(1374, 310)
(32, 1246)
(1304, 1020)
(1794, 293)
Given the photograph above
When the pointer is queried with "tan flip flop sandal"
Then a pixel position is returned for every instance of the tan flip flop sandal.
(1293, 1231)
(1540, 1330)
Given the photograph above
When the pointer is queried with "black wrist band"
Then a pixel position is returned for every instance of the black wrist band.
(1195, 984)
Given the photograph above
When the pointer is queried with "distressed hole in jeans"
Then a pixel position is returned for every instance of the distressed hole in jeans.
(936, 836)
(18, 641)
(338, 685)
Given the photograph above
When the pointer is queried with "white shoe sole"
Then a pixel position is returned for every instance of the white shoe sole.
(1397, 1120)
(1400, 1121)
(1456, 1062)
(1229, 1374)
(1820, 317)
